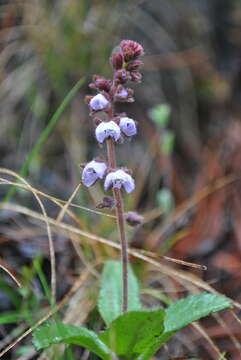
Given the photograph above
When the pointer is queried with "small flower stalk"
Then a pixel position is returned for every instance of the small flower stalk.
(111, 131)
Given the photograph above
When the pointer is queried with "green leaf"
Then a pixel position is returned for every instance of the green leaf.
(10, 317)
(11, 292)
(133, 332)
(160, 114)
(167, 142)
(165, 200)
(192, 308)
(110, 297)
(24, 349)
(56, 333)
(154, 346)
(184, 312)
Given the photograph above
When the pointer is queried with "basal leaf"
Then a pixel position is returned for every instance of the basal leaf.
(131, 333)
(184, 312)
(192, 308)
(56, 333)
(110, 296)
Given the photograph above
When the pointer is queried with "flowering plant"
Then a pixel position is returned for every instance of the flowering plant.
(132, 332)
(113, 129)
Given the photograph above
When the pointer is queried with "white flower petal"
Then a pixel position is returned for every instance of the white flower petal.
(128, 126)
(129, 184)
(93, 171)
(106, 129)
(108, 181)
(89, 177)
(98, 102)
(118, 179)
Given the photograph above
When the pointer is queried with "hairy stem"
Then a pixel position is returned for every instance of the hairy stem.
(121, 226)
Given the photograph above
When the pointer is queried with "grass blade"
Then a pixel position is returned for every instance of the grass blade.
(45, 134)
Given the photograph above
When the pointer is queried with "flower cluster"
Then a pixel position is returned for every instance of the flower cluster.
(126, 65)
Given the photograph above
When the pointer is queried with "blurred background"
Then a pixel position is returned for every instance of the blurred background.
(186, 158)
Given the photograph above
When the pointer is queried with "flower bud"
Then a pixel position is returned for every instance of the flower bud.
(100, 83)
(121, 76)
(98, 102)
(93, 171)
(88, 98)
(117, 60)
(131, 49)
(133, 219)
(107, 203)
(128, 126)
(107, 129)
(118, 179)
(134, 65)
(136, 76)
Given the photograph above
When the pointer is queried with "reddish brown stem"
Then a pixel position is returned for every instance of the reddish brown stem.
(111, 153)
(121, 226)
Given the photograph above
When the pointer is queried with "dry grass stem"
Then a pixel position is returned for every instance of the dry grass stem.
(49, 233)
(65, 299)
(203, 332)
(67, 204)
(178, 275)
(10, 272)
(233, 338)
(55, 200)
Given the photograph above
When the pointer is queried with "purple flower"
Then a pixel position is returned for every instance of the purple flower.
(122, 93)
(118, 179)
(98, 102)
(128, 126)
(106, 129)
(93, 171)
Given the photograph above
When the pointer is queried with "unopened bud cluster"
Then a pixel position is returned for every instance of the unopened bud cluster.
(126, 65)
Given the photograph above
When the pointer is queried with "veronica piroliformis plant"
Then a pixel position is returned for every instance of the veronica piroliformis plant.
(111, 131)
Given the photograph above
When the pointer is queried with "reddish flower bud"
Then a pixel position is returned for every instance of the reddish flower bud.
(107, 203)
(133, 219)
(82, 165)
(100, 83)
(136, 77)
(122, 76)
(97, 121)
(134, 65)
(117, 60)
(131, 49)
(88, 98)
